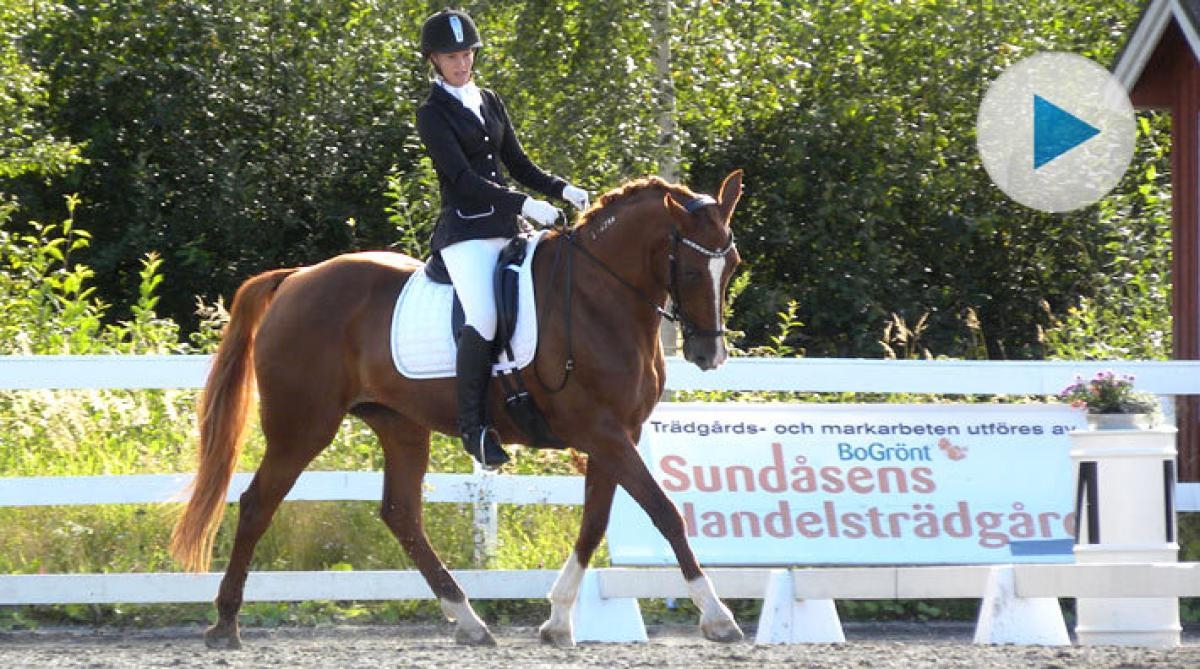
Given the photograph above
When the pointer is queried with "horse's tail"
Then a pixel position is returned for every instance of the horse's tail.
(222, 416)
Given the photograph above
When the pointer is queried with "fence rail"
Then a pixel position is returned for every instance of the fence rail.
(21, 373)
(988, 377)
(485, 488)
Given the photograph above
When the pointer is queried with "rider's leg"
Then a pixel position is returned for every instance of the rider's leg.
(471, 265)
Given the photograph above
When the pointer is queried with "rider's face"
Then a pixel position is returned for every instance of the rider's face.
(455, 67)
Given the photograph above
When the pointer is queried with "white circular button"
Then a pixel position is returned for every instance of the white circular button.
(1056, 131)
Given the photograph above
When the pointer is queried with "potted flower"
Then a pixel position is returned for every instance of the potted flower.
(1111, 401)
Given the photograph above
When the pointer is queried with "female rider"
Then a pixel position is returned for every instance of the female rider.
(467, 133)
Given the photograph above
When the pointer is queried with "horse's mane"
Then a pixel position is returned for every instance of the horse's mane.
(631, 188)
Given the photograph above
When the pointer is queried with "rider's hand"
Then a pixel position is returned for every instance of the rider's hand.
(578, 197)
(541, 212)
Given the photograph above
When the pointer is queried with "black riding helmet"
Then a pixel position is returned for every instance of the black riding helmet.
(447, 31)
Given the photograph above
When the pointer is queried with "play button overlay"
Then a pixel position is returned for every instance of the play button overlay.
(1056, 132)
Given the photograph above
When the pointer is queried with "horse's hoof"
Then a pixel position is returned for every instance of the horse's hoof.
(222, 639)
(479, 636)
(724, 631)
(559, 638)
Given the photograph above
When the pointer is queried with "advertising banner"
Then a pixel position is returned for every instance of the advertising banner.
(803, 484)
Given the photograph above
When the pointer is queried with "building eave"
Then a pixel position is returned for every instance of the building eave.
(1132, 60)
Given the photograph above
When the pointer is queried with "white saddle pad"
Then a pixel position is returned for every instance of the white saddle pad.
(422, 344)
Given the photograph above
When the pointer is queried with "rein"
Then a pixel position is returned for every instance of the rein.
(675, 314)
(569, 365)
(672, 316)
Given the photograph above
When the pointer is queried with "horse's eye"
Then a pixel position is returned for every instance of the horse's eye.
(691, 275)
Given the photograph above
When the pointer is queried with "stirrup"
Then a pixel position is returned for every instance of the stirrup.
(484, 445)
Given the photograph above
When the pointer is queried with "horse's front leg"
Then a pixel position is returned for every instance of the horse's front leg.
(405, 461)
(716, 621)
(599, 487)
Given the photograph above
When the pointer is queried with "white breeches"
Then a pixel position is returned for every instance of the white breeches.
(471, 264)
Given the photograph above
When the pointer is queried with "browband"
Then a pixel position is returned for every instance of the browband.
(699, 202)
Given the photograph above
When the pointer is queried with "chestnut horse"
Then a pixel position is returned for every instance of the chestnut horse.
(317, 341)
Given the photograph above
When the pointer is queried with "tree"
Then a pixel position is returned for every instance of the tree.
(232, 136)
(27, 147)
(229, 136)
(865, 195)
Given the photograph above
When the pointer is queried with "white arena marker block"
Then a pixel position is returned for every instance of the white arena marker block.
(608, 620)
(1006, 618)
(785, 619)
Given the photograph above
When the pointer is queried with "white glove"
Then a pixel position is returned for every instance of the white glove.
(541, 212)
(578, 197)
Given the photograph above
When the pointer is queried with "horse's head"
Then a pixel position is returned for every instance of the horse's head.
(703, 257)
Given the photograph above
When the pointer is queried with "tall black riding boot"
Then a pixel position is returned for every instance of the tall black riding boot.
(474, 370)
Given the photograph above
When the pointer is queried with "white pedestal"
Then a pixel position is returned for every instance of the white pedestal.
(1005, 618)
(596, 618)
(1127, 621)
(785, 619)
(1125, 484)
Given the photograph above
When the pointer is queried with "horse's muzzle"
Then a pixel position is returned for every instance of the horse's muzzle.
(705, 352)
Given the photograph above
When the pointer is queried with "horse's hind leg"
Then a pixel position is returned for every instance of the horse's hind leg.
(292, 442)
(599, 488)
(406, 458)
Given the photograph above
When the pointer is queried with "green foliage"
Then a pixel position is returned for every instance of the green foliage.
(865, 197)
(1129, 313)
(232, 136)
(578, 79)
(48, 309)
(788, 329)
(907, 609)
(27, 147)
(412, 208)
(228, 136)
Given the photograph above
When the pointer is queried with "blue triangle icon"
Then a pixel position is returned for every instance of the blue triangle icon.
(1056, 131)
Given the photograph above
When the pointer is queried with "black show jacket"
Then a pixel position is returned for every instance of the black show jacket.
(476, 202)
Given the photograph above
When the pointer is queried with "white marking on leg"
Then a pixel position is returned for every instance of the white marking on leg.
(462, 614)
(716, 622)
(704, 596)
(562, 599)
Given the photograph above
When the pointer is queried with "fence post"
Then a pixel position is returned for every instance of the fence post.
(1006, 618)
(598, 618)
(785, 619)
(486, 513)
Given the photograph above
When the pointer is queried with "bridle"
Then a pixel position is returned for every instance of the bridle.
(675, 314)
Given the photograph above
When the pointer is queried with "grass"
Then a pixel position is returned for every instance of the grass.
(82, 433)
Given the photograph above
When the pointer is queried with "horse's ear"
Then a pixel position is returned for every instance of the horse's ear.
(677, 211)
(731, 192)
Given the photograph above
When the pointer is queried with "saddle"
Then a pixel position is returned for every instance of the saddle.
(507, 291)
(518, 403)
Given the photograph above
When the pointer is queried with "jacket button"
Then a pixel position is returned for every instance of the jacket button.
(493, 174)
(489, 156)
(486, 138)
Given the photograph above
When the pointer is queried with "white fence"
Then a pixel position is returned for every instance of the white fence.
(751, 374)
